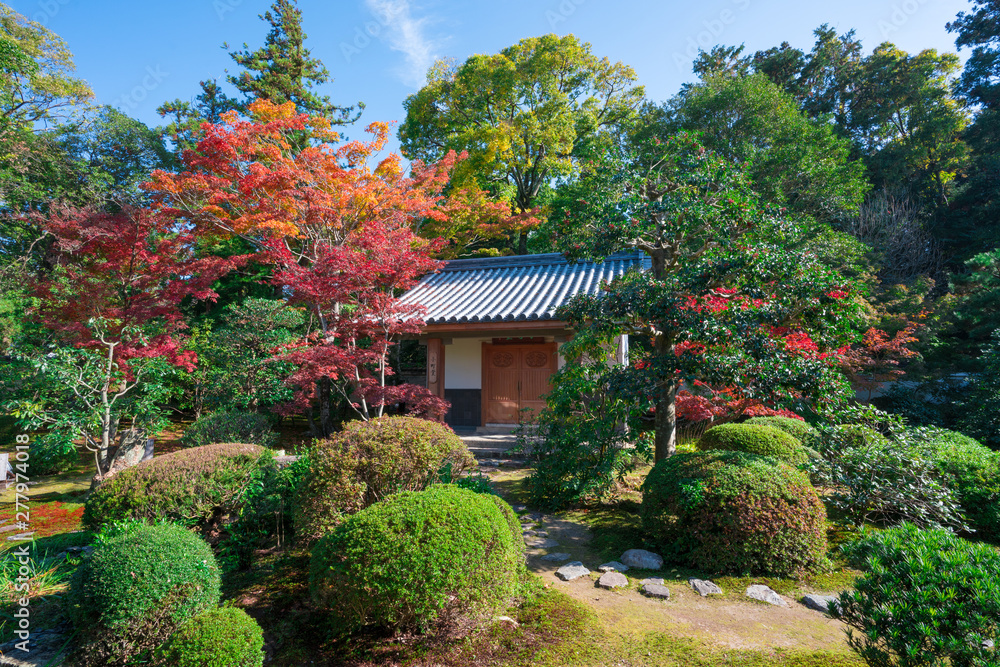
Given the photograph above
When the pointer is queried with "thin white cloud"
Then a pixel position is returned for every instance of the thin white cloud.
(404, 33)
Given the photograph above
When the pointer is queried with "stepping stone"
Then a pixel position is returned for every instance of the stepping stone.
(556, 557)
(613, 566)
(519, 508)
(765, 594)
(572, 571)
(641, 559)
(534, 517)
(704, 588)
(822, 603)
(656, 581)
(656, 591)
(613, 580)
(541, 542)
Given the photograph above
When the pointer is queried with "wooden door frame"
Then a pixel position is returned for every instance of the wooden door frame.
(485, 390)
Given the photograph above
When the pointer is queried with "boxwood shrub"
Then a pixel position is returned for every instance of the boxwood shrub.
(233, 426)
(191, 486)
(137, 588)
(368, 461)
(754, 439)
(927, 597)
(735, 513)
(221, 637)
(797, 428)
(418, 557)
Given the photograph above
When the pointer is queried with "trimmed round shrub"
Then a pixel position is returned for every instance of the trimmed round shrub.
(368, 461)
(735, 513)
(418, 558)
(797, 428)
(137, 588)
(193, 486)
(753, 439)
(234, 426)
(927, 597)
(971, 471)
(221, 637)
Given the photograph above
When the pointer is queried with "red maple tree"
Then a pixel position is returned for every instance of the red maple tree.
(876, 360)
(338, 225)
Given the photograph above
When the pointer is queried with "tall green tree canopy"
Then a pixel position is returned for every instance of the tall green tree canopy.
(522, 115)
(791, 160)
(284, 70)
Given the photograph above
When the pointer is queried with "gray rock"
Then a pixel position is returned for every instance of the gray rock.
(507, 619)
(44, 650)
(541, 542)
(656, 581)
(572, 571)
(613, 566)
(613, 580)
(704, 588)
(641, 559)
(821, 603)
(556, 557)
(519, 508)
(534, 516)
(765, 594)
(656, 591)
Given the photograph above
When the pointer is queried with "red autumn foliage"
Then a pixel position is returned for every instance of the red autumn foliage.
(876, 360)
(723, 406)
(45, 519)
(338, 226)
(118, 274)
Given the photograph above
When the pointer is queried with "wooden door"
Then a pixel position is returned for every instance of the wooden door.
(515, 377)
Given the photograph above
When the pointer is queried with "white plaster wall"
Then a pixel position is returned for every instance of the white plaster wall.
(463, 364)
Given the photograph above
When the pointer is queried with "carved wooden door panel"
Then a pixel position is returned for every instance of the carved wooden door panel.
(515, 377)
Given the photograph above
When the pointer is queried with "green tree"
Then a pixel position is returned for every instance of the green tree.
(185, 118)
(284, 70)
(728, 300)
(522, 115)
(792, 160)
(982, 415)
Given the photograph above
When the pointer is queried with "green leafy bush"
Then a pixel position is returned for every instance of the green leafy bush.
(981, 414)
(476, 483)
(733, 512)
(234, 426)
(797, 428)
(753, 439)
(193, 486)
(417, 558)
(51, 454)
(971, 471)
(885, 482)
(221, 637)
(587, 439)
(369, 461)
(264, 517)
(927, 597)
(136, 588)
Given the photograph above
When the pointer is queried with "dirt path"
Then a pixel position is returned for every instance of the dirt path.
(731, 621)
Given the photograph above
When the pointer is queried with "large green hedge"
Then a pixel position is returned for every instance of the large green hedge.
(233, 426)
(734, 513)
(192, 486)
(136, 588)
(417, 557)
(221, 637)
(369, 461)
(754, 439)
(971, 471)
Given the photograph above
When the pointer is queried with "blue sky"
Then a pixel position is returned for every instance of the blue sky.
(138, 54)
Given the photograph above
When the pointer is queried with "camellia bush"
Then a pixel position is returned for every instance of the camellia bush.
(419, 558)
(927, 597)
(370, 460)
(735, 513)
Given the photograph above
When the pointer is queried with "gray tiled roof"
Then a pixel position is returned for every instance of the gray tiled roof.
(512, 289)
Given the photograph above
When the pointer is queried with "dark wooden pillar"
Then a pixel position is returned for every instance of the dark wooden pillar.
(435, 366)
